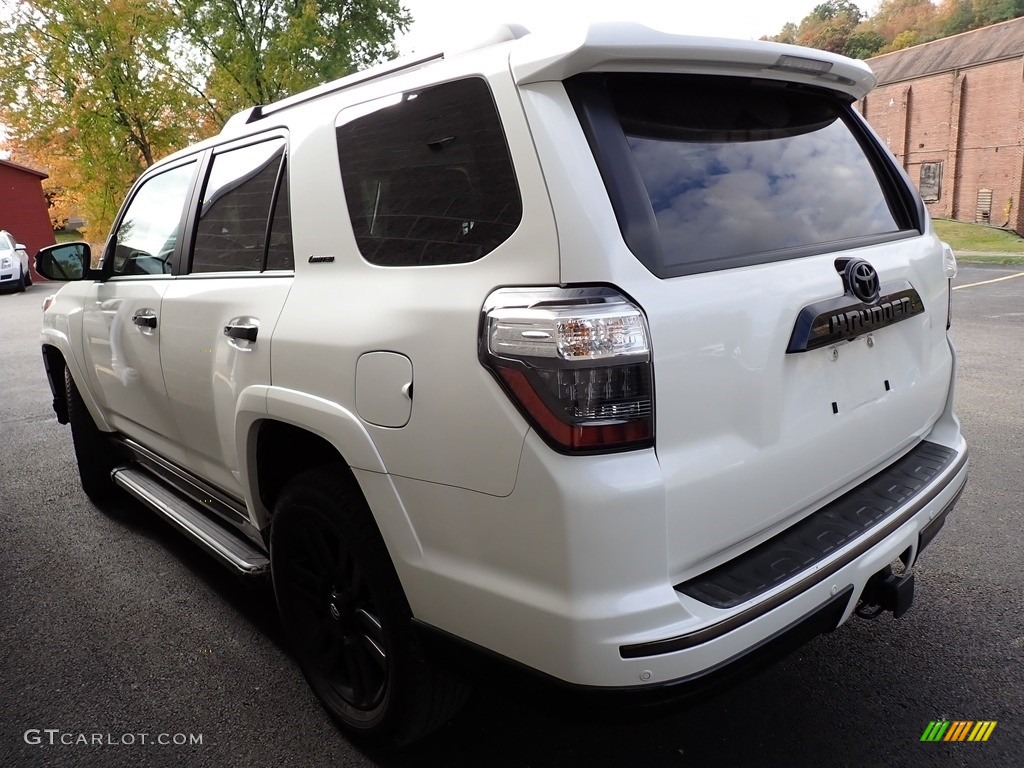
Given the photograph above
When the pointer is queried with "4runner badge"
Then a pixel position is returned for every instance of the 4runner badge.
(853, 314)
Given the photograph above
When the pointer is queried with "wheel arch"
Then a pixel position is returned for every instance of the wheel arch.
(54, 363)
(295, 432)
(57, 359)
(284, 450)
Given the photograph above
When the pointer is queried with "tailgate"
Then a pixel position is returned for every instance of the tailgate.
(796, 297)
(751, 437)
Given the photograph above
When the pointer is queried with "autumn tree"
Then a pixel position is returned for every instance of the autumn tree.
(836, 9)
(993, 11)
(262, 50)
(98, 90)
(955, 16)
(905, 39)
(838, 25)
(91, 87)
(896, 16)
(827, 27)
(788, 34)
(863, 44)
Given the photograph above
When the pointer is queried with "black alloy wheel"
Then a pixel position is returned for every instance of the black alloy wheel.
(333, 614)
(347, 617)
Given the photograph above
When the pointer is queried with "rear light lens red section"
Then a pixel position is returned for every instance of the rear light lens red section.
(577, 364)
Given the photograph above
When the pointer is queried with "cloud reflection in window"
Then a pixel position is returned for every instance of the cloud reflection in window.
(720, 200)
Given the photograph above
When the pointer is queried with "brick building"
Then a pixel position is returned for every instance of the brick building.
(952, 111)
(23, 210)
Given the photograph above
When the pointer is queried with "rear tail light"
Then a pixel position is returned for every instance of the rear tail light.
(949, 261)
(950, 268)
(577, 364)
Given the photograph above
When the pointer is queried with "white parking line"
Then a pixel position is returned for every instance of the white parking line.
(986, 282)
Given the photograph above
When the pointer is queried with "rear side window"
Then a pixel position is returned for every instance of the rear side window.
(428, 178)
(708, 173)
(243, 220)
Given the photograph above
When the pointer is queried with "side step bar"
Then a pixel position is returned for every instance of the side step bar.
(231, 549)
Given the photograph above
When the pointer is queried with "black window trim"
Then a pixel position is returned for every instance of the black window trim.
(892, 176)
(635, 214)
(282, 169)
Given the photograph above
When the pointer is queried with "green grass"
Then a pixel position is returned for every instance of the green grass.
(966, 257)
(67, 235)
(978, 243)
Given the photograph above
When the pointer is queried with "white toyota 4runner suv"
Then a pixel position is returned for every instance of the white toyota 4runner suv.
(620, 358)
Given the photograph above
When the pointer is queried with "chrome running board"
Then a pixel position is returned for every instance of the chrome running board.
(228, 547)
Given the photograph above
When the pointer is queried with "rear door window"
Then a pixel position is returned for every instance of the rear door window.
(708, 173)
(243, 223)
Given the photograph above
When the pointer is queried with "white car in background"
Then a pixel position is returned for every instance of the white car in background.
(14, 271)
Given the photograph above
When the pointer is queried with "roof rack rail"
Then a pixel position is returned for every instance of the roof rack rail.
(499, 34)
(252, 114)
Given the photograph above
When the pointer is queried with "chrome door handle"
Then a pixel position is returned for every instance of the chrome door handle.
(243, 331)
(144, 320)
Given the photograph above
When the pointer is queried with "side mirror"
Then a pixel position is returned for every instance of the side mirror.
(67, 261)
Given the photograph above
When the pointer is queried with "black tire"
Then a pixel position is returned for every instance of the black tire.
(19, 284)
(92, 448)
(346, 615)
(28, 277)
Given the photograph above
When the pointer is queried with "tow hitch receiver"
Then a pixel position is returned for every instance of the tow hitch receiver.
(885, 591)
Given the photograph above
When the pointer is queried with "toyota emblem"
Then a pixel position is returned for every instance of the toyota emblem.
(862, 280)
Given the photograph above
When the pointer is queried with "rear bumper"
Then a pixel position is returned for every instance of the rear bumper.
(806, 554)
(583, 596)
(904, 518)
(474, 663)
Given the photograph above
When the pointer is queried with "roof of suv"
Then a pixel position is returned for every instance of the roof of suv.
(557, 55)
(605, 46)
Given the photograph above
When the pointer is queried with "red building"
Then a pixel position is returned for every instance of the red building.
(952, 112)
(23, 210)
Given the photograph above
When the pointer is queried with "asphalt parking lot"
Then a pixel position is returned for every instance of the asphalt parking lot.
(113, 625)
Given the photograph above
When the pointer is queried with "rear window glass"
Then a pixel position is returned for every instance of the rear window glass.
(428, 178)
(740, 171)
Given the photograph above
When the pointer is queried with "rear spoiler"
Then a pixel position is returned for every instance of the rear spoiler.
(628, 47)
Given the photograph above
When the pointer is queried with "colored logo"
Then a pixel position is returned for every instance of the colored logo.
(958, 730)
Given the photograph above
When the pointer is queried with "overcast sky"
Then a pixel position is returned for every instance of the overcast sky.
(438, 21)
